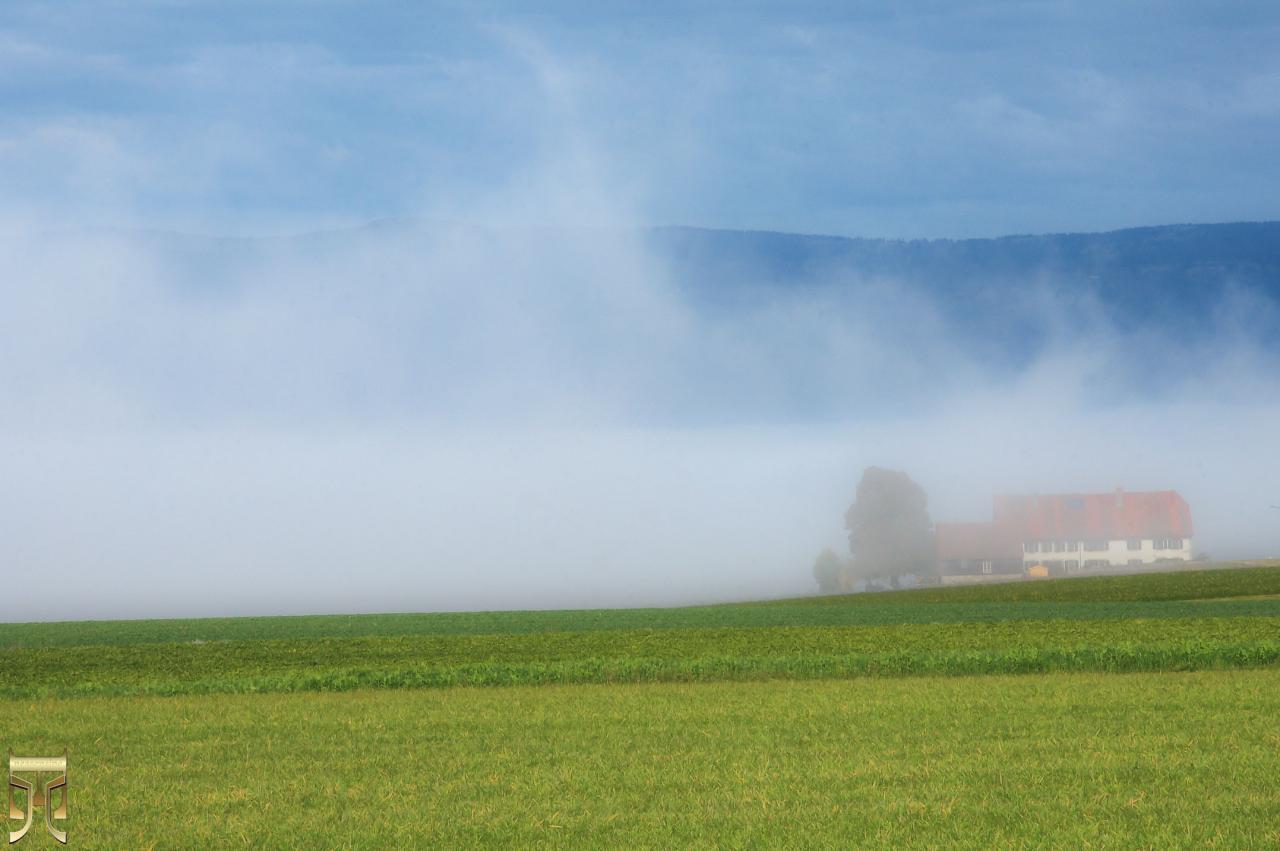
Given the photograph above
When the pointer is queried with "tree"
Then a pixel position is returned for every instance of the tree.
(826, 569)
(890, 532)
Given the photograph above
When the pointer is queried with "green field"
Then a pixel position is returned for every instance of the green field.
(1103, 712)
(1183, 594)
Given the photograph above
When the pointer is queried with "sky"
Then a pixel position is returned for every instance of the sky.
(222, 391)
(873, 119)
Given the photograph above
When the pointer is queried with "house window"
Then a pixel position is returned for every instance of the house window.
(1031, 547)
(1072, 565)
(1134, 562)
(1072, 546)
(1095, 562)
(1174, 543)
(986, 567)
(1135, 543)
(1096, 546)
(1059, 546)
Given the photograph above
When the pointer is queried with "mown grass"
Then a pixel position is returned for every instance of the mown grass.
(1069, 761)
(1208, 593)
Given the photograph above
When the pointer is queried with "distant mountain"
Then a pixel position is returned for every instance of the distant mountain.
(1159, 300)
(1172, 271)
(703, 325)
(1169, 279)
(1166, 274)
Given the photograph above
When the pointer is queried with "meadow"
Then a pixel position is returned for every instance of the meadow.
(1133, 711)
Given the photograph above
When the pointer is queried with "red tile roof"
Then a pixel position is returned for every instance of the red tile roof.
(1095, 516)
(1114, 516)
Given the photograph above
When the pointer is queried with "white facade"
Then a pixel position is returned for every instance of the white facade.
(1085, 555)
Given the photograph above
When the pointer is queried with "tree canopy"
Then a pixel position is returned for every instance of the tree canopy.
(890, 533)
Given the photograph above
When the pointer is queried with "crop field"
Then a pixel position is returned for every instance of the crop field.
(1096, 712)
(1181, 594)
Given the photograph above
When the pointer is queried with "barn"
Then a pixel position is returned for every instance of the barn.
(1069, 533)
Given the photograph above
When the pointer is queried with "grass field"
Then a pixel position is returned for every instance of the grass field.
(1144, 716)
(1078, 760)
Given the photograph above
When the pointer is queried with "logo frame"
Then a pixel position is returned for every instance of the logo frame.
(38, 793)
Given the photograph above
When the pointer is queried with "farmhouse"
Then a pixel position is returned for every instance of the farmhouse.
(1068, 533)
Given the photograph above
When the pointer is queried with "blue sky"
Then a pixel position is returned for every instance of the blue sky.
(862, 118)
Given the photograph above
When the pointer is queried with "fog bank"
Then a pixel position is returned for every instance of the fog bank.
(430, 417)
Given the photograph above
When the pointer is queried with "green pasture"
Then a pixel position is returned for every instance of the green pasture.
(1070, 760)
